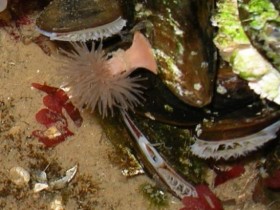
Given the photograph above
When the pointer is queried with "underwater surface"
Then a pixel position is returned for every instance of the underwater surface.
(56, 156)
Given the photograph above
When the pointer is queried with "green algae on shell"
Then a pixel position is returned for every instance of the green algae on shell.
(236, 48)
(157, 197)
(261, 20)
(74, 20)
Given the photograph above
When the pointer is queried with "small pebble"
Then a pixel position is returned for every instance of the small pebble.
(19, 176)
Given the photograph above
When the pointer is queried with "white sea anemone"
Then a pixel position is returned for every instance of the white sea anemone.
(94, 80)
(90, 82)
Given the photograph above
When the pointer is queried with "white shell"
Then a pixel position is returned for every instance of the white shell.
(19, 176)
(60, 183)
(39, 187)
(42, 183)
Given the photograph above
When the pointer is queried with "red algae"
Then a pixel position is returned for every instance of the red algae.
(225, 175)
(45, 88)
(52, 117)
(273, 181)
(58, 99)
(23, 20)
(206, 200)
(57, 128)
(51, 102)
(48, 118)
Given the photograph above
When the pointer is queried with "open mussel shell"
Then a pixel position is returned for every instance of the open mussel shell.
(82, 20)
(241, 122)
(69, 15)
(237, 133)
(168, 140)
(235, 123)
(181, 37)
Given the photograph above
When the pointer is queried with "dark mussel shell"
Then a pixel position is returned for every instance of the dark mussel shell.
(181, 36)
(73, 15)
(162, 105)
(240, 122)
(276, 4)
(231, 92)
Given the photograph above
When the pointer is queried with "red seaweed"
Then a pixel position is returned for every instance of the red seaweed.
(206, 200)
(52, 117)
(225, 175)
(23, 20)
(273, 181)
(52, 141)
(58, 99)
(56, 125)
(45, 88)
(48, 118)
(51, 102)
(192, 203)
(74, 113)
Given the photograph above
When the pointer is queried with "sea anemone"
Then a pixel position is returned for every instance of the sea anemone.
(94, 80)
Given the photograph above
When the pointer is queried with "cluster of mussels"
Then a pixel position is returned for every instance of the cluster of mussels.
(214, 71)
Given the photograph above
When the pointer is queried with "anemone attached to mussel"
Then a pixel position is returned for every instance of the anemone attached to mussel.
(182, 39)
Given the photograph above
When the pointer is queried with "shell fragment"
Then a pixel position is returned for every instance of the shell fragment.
(56, 184)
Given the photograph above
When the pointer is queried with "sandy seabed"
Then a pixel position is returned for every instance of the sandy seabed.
(98, 183)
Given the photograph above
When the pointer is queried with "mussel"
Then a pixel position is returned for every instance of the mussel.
(179, 37)
(70, 20)
(194, 86)
(232, 117)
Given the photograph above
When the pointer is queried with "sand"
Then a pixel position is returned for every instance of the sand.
(98, 183)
